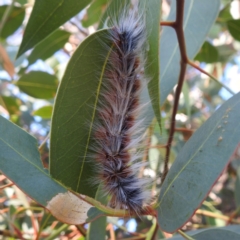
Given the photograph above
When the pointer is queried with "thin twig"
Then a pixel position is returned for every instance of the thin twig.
(168, 24)
(7, 185)
(185, 235)
(217, 215)
(178, 26)
(43, 143)
(191, 63)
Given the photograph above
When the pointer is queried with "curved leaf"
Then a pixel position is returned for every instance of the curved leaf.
(233, 27)
(208, 53)
(198, 165)
(152, 11)
(46, 17)
(44, 112)
(74, 114)
(20, 162)
(221, 233)
(38, 84)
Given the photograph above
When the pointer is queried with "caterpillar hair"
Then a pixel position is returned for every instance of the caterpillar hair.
(118, 130)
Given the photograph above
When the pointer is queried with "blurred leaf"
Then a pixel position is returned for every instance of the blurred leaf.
(21, 163)
(208, 53)
(215, 31)
(225, 52)
(6, 62)
(49, 46)
(233, 27)
(94, 12)
(46, 17)
(44, 112)
(220, 233)
(225, 14)
(38, 84)
(198, 165)
(237, 188)
(14, 20)
(74, 114)
(152, 10)
(12, 104)
(217, 234)
(22, 1)
(169, 51)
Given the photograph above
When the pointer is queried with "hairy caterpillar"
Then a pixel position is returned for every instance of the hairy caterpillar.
(118, 127)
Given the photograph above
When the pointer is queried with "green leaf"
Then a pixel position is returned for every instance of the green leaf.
(46, 17)
(196, 28)
(94, 12)
(14, 20)
(237, 188)
(198, 165)
(74, 114)
(217, 234)
(223, 233)
(44, 112)
(225, 52)
(152, 10)
(49, 46)
(225, 14)
(12, 104)
(233, 27)
(20, 162)
(208, 53)
(22, 2)
(38, 84)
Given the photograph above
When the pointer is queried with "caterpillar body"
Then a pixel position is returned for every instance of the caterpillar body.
(118, 127)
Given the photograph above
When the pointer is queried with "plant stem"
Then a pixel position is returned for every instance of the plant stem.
(191, 63)
(185, 235)
(57, 232)
(178, 26)
(216, 215)
(43, 143)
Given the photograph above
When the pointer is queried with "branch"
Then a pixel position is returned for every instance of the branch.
(178, 26)
(191, 63)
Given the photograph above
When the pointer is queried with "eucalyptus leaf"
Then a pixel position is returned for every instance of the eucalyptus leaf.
(233, 27)
(38, 84)
(208, 53)
(198, 165)
(20, 162)
(49, 46)
(44, 112)
(74, 114)
(46, 17)
(14, 20)
(152, 14)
